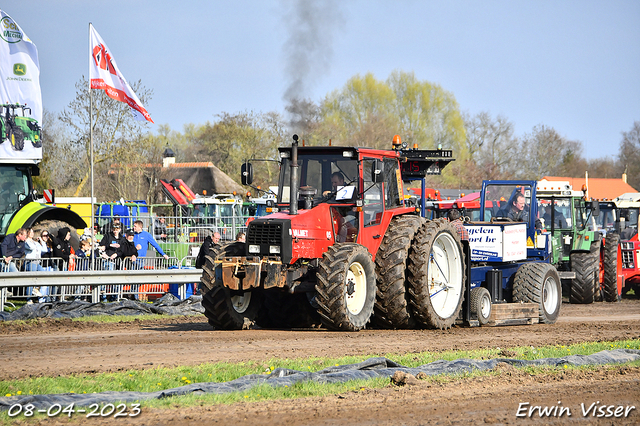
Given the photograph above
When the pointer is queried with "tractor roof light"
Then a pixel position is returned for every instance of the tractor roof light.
(347, 154)
(397, 141)
(285, 154)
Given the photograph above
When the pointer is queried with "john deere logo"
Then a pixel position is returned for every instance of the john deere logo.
(9, 30)
(19, 69)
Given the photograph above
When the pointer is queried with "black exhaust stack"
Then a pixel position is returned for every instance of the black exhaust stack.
(295, 179)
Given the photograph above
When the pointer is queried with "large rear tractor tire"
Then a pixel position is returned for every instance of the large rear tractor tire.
(436, 275)
(610, 284)
(346, 287)
(539, 283)
(226, 309)
(391, 309)
(584, 285)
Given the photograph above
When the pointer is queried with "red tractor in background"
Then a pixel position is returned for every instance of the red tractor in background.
(618, 221)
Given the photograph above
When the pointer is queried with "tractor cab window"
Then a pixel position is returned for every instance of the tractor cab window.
(508, 202)
(606, 221)
(14, 186)
(324, 173)
(559, 209)
(392, 184)
(373, 204)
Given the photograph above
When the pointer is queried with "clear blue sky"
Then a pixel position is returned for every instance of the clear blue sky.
(570, 65)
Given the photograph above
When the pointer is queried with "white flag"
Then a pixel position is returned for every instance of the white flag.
(20, 96)
(105, 75)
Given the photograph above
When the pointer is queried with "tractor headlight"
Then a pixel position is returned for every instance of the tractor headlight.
(274, 249)
(253, 248)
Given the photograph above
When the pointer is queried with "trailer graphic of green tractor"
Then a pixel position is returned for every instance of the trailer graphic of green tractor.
(17, 127)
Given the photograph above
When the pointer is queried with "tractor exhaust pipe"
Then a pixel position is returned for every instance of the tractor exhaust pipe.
(295, 179)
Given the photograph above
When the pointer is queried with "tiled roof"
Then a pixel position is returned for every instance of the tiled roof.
(599, 188)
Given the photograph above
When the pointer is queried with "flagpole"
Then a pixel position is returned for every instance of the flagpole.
(93, 230)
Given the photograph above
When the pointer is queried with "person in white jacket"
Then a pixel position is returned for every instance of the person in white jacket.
(33, 253)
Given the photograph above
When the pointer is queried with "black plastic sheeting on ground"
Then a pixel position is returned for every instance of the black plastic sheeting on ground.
(166, 305)
(369, 369)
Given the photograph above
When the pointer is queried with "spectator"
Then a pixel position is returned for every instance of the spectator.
(160, 228)
(143, 239)
(109, 246)
(127, 247)
(84, 255)
(241, 237)
(13, 247)
(62, 247)
(109, 226)
(456, 220)
(33, 252)
(47, 253)
(205, 248)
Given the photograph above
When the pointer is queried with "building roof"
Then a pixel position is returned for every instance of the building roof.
(599, 188)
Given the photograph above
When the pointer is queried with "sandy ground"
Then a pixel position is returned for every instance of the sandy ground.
(51, 348)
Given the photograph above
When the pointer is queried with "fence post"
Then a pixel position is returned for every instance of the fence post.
(3, 298)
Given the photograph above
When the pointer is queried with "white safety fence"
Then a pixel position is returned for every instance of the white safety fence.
(105, 280)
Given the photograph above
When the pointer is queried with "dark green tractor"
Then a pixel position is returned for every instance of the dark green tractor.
(575, 246)
(17, 127)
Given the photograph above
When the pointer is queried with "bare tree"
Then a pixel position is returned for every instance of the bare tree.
(629, 154)
(113, 125)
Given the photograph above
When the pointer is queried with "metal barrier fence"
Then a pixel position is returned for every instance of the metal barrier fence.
(45, 280)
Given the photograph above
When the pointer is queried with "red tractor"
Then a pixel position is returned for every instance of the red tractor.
(342, 247)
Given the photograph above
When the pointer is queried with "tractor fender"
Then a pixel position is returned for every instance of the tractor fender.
(35, 212)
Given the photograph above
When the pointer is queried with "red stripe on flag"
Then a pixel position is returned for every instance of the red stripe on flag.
(119, 95)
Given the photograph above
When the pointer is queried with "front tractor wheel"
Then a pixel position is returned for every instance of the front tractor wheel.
(583, 286)
(226, 309)
(539, 283)
(610, 265)
(436, 275)
(346, 287)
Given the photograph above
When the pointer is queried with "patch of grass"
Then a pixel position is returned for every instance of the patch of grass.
(165, 378)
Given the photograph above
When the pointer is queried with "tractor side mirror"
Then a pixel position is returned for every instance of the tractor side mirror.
(376, 171)
(595, 208)
(246, 174)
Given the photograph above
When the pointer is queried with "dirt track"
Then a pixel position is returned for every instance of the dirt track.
(62, 347)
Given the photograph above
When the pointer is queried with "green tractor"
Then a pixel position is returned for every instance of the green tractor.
(17, 127)
(575, 247)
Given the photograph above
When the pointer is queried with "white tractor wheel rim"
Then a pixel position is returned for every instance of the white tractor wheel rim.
(485, 307)
(550, 295)
(241, 303)
(358, 277)
(444, 274)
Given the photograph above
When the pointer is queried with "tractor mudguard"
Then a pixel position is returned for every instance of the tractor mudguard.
(34, 212)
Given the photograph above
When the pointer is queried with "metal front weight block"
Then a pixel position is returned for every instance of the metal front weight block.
(242, 273)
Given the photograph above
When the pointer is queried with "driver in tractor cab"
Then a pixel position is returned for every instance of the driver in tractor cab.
(337, 180)
(518, 212)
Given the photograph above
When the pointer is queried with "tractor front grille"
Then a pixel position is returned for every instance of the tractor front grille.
(627, 259)
(265, 233)
(273, 236)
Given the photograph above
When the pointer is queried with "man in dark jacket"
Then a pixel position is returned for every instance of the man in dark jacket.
(62, 247)
(128, 247)
(13, 248)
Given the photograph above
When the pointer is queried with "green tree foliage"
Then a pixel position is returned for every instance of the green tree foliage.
(368, 112)
(235, 138)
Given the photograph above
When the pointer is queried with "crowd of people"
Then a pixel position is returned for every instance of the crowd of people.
(24, 251)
